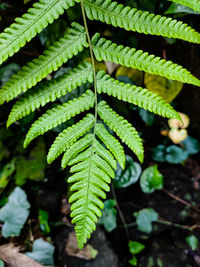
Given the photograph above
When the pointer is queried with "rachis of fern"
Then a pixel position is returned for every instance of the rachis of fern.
(88, 147)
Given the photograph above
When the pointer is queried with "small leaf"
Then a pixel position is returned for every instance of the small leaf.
(159, 153)
(42, 252)
(2, 263)
(176, 154)
(109, 215)
(180, 9)
(15, 213)
(151, 179)
(191, 145)
(135, 247)
(133, 261)
(192, 241)
(129, 175)
(144, 219)
(43, 219)
(5, 174)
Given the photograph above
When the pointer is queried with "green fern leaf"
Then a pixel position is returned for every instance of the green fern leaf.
(25, 28)
(71, 44)
(125, 56)
(91, 177)
(111, 143)
(75, 149)
(138, 20)
(123, 129)
(69, 136)
(193, 4)
(49, 91)
(59, 114)
(135, 95)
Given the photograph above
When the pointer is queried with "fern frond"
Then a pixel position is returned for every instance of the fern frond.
(90, 180)
(193, 4)
(69, 136)
(59, 114)
(111, 143)
(135, 95)
(122, 128)
(75, 149)
(132, 19)
(26, 27)
(130, 57)
(49, 91)
(60, 52)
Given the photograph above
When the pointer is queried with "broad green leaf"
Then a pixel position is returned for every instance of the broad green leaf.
(15, 213)
(128, 176)
(135, 247)
(144, 219)
(159, 153)
(32, 167)
(192, 241)
(109, 215)
(175, 154)
(5, 174)
(2, 263)
(42, 252)
(177, 8)
(151, 179)
(43, 219)
(191, 145)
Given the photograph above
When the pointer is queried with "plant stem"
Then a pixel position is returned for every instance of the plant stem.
(120, 213)
(181, 200)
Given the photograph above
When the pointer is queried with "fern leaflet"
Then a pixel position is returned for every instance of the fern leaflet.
(49, 91)
(106, 50)
(138, 20)
(193, 4)
(122, 128)
(73, 42)
(60, 114)
(112, 144)
(135, 95)
(25, 28)
(69, 136)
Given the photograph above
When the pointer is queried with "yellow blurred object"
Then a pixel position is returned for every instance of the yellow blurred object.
(174, 123)
(167, 89)
(178, 136)
(135, 75)
(98, 65)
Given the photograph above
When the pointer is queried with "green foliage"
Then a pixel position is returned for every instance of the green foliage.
(128, 176)
(135, 248)
(88, 147)
(193, 4)
(151, 179)
(192, 241)
(42, 252)
(43, 219)
(6, 173)
(145, 218)
(109, 215)
(125, 56)
(15, 213)
(136, 20)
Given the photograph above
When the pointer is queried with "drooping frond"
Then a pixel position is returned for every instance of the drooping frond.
(25, 28)
(135, 95)
(130, 57)
(111, 143)
(122, 128)
(60, 52)
(194, 4)
(140, 21)
(59, 114)
(92, 174)
(69, 136)
(49, 91)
